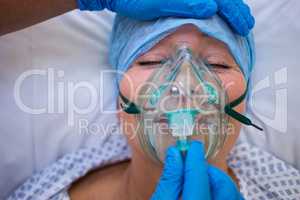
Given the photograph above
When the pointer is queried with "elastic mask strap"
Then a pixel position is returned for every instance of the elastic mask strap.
(238, 116)
(128, 107)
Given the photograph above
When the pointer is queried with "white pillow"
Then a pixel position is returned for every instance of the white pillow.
(75, 43)
(275, 99)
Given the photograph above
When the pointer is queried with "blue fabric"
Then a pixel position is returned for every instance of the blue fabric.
(235, 12)
(131, 38)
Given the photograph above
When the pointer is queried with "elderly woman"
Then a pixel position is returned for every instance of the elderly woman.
(138, 51)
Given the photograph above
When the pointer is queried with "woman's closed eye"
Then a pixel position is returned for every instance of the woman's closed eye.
(220, 63)
(150, 62)
(222, 66)
(152, 59)
(155, 63)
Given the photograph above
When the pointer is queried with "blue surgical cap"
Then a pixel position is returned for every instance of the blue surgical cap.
(131, 38)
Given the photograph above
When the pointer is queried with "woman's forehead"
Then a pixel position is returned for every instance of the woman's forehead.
(189, 36)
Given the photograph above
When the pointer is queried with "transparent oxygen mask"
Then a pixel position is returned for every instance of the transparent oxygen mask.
(183, 100)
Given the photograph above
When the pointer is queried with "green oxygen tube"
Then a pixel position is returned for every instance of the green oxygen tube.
(182, 122)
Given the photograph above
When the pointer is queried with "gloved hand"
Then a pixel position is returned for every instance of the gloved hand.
(235, 12)
(193, 178)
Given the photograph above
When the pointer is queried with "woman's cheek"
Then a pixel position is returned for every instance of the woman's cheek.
(130, 85)
(234, 84)
(133, 80)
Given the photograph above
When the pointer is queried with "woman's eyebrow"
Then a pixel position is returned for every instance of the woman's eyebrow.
(152, 56)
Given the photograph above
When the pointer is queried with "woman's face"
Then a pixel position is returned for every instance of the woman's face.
(205, 47)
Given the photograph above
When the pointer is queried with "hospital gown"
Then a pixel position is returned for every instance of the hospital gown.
(261, 176)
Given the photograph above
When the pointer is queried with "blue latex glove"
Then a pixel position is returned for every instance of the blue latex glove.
(193, 178)
(235, 12)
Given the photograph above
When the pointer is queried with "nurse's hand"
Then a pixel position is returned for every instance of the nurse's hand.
(193, 178)
(235, 12)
